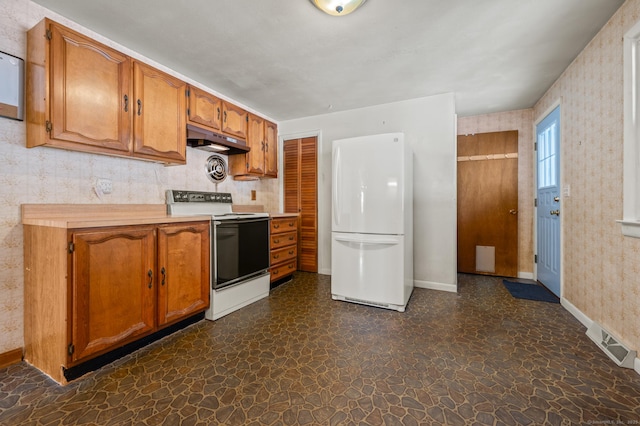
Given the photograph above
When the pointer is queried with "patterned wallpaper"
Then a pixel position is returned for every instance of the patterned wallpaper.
(601, 268)
(47, 175)
(522, 122)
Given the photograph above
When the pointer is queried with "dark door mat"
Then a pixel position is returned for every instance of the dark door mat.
(530, 292)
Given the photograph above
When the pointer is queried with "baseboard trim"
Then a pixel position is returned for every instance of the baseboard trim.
(10, 358)
(452, 288)
(586, 321)
(525, 275)
(577, 313)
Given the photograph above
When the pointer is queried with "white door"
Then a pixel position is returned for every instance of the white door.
(368, 184)
(368, 267)
(548, 196)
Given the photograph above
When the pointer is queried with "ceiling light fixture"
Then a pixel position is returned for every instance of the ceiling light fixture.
(338, 7)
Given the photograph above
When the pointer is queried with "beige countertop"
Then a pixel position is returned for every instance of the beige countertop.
(73, 216)
(279, 215)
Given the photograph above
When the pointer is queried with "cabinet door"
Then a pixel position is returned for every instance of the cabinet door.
(159, 123)
(183, 270)
(204, 109)
(255, 140)
(270, 149)
(234, 120)
(112, 288)
(89, 94)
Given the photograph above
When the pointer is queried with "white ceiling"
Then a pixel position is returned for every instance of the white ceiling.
(286, 59)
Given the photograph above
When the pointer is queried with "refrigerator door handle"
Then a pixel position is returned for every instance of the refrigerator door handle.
(370, 241)
(336, 175)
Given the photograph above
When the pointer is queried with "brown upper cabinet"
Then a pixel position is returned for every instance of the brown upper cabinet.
(204, 109)
(234, 120)
(262, 159)
(85, 96)
(159, 122)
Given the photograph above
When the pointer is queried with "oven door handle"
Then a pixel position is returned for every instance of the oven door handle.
(236, 221)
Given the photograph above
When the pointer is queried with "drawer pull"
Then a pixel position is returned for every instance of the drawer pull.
(276, 241)
(290, 251)
(276, 256)
(291, 238)
(276, 226)
(291, 224)
(290, 266)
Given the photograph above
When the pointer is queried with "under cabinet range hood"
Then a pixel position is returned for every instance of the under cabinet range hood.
(209, 141)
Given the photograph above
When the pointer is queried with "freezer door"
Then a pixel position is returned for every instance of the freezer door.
(368, 268)
(368, 184)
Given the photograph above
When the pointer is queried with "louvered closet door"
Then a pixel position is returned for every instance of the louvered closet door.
(300, 196)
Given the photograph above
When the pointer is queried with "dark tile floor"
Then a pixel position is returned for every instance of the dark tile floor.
(296, 358)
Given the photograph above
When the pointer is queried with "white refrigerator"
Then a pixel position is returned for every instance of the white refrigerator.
(372, 221)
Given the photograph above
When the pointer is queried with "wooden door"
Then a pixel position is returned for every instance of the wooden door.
(112, 288)
(488, 203)
(300, 196)
(159, 122)
(234, 120)
(271, 149)
(183, 271)
(90, 93)
(255, 140)
(204, 109)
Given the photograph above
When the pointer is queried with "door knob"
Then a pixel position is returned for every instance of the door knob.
(513, 211)
(554, 212)
(556, 199)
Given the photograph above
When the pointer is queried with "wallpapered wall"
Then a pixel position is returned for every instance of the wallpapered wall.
(521, 121)
(601, 268)
(47, 175)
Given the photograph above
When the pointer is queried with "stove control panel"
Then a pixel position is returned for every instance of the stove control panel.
(174, 196)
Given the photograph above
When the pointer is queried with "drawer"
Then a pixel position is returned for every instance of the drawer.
(284, 224)
(283, 254)
(283, 270)
(283, 240)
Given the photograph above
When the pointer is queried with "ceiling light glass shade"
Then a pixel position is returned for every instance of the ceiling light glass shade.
(338, 7)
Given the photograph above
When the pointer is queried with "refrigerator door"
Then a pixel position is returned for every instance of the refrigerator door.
(369, 269)
(368, 184)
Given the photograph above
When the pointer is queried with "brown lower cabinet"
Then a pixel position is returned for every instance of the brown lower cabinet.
(284, 246)
(123, 283)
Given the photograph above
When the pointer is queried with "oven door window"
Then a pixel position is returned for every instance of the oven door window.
(242, 250)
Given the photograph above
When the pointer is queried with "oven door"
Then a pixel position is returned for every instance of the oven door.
(240, 250)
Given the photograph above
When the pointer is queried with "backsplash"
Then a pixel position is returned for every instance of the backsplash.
(46, 175)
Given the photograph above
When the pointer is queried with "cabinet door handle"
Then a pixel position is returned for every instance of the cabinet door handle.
(150, 275)
(225, 116)
(139, 107)
(263, 146)
(164, 274)
(218, 113)
(126, 103)
(266, 147)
